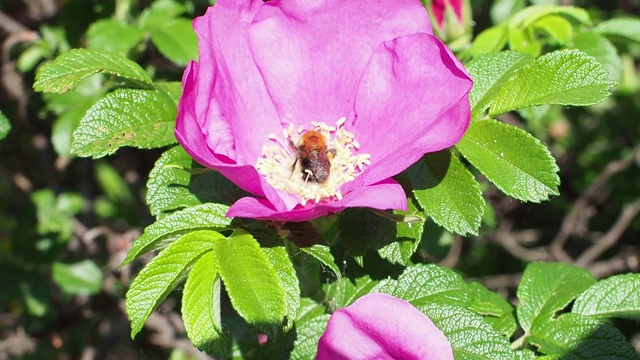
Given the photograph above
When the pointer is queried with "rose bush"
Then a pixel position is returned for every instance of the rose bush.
(368, 75)
(380, 326)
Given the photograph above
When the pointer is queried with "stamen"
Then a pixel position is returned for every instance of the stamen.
(279, 157)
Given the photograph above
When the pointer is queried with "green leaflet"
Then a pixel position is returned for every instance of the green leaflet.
(448, 192)
(617, 296)
(516, 162)
(164, 231)
(574, 337)
(201, 307)
(421, 284)
(546, 288)
(489, 73)
(252, 282)
(469, 336)
(163, 273)
(128, 117)
(565, 77)
(64, 73)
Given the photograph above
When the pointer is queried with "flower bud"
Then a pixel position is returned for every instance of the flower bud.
(451, 21)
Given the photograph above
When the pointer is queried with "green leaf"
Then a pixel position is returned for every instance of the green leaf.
(523, 40)
(201, 311)
(470, 337)
(574, 336)
(113, 36)
(309, 309)
(564, 77)
(557, 27)
(160, 12)
(280, 261)
(55, 212)
(164, 272)
(113, 184)
(31, 56)
(448, 192)
(421, 284)
(126, 117)
(344, 291)
(176, 40)
(625, 28)
(546, 288)
(488, 41)
(617, 296)
(251, 281)
(526, 354)
(531, 14)
(516, 162)
(494, 308)
(307, 337)
(64, 73)
(70, 108)
(408, 235)
(503, 9)
(166, 230)
(80, 278)
(62, 129)
(602, 50)
(323, 254)
(34, 293)
(170, 187)
(5, 126)
(489, 73)
(390, 233)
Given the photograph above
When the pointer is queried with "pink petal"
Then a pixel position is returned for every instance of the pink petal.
(224, 95)
(385, 195)
(312, 53)
(412, 99)
(380, 326)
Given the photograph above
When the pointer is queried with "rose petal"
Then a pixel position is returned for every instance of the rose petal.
(312, 53)
(387, 194)
(380, 326)
(224, 93)
(412, 99)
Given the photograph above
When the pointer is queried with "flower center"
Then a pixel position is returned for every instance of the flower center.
(312, 164)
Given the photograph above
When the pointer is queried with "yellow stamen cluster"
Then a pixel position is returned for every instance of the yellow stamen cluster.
(278, 158)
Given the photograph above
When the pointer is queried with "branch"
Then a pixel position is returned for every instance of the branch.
(628, 214)
(509, 240)
(570, 221)
(10, 26)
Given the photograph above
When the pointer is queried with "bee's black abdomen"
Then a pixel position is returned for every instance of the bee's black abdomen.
(315, 167)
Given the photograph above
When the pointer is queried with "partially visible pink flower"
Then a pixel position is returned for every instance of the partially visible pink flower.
(452, 21)
(367, 74)
(380, 326)
(439, 8)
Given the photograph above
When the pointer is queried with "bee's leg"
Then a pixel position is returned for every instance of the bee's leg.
(293, 166)
(331, 153)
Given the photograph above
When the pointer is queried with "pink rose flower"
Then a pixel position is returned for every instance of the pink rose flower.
(380, 326)
(367, 76)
